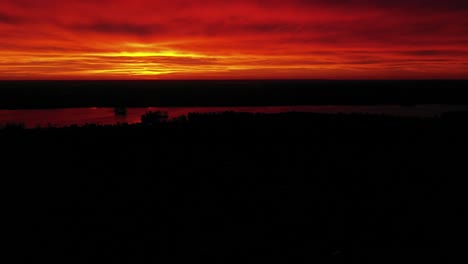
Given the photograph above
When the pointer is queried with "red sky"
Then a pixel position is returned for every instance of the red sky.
(176, 39)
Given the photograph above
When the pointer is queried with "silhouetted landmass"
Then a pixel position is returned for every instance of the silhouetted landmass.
(239, 188)
(154, 117)
(61, 94)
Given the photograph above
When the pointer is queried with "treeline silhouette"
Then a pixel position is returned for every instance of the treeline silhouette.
(239, 187)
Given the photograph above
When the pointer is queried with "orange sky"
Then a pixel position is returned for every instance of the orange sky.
(175, 39)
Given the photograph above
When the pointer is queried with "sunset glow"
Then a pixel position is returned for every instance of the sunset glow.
(146, 39)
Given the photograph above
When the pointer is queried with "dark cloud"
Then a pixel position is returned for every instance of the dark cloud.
(120, 28)
(221, 28)
(446, 5)
(9, 19)
(275, 27)
(431, 53)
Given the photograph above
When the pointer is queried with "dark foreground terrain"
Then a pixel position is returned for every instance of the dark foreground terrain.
(239, 188)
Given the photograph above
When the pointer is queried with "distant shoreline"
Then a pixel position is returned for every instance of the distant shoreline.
(31, 118)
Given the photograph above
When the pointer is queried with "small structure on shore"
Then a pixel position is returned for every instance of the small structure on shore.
(120, 111)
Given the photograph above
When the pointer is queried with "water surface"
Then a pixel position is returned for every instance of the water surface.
(105, 116)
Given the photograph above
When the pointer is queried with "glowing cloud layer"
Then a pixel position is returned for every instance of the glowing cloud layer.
(148, 39)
